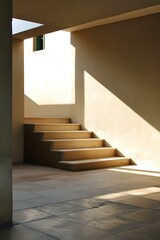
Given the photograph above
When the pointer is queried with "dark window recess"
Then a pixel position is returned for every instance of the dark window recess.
(38, 43)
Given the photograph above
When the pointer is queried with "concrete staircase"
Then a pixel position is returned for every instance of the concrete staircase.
(56, 142)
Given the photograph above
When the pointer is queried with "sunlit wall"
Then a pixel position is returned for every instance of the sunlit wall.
(49, 74)
(122, 127)
(117, 85)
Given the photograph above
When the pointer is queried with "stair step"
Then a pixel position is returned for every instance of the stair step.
(46, 120)
(57, 127)
(77, 143)
(86, 153)
(89, 164)
(56, 142)
(67, 134)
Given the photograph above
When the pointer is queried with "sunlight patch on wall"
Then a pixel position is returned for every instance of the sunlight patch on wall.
(114, 121)
(50, 73)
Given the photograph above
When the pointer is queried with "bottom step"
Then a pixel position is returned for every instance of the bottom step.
(90, 164)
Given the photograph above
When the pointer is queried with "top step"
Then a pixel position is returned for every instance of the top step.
(46, 120)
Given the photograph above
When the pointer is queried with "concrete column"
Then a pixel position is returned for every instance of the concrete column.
(17, 99)
(5, 113)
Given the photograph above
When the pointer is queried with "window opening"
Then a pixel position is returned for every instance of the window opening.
(39, 43)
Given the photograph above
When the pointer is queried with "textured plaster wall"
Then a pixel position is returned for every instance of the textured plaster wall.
(117, 85)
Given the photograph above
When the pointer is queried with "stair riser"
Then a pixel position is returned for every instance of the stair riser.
(66, 135)
(88, 154)
(60, 127)
(46, 120)
(97, 165)
(77, 144)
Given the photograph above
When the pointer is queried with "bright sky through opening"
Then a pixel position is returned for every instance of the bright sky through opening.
(19, 25)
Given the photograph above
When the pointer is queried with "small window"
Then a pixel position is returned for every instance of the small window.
(39, 43)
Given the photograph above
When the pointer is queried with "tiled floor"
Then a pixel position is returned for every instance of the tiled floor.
(108, 204)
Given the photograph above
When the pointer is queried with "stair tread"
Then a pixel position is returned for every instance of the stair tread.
(72, 139)
(30, 118)
(94, 160)
(62, 131)
(54, 124)
(45, 117)
(82, 149)
(34, 120)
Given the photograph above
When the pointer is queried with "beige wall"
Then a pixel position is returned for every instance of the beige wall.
(5, 114)
(117, 85)
(49, 77)
(17, 99)
(32, 109)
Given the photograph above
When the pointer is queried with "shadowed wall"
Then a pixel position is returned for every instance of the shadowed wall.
(17, 99)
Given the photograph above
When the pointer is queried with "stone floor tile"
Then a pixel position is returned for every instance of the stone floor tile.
(155, 196)
(87, 215)
(156, 225)
(90, 202)
(108, 224)
(20, 205)
(99, 204)
(32, 203)
(147, 232)
(67, 230)
(118, 209)
(119, 197)
(115, 237)
(24, 185)
(21, 232)
(20, 195)
(139, 202)
(114, 225)
(28, 215)
(79, 232)
(67, 193)
(144, 215)
(60, 209)
(144, 191)
(49, 224)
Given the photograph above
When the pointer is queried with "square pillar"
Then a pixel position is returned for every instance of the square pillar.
(5, 113)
